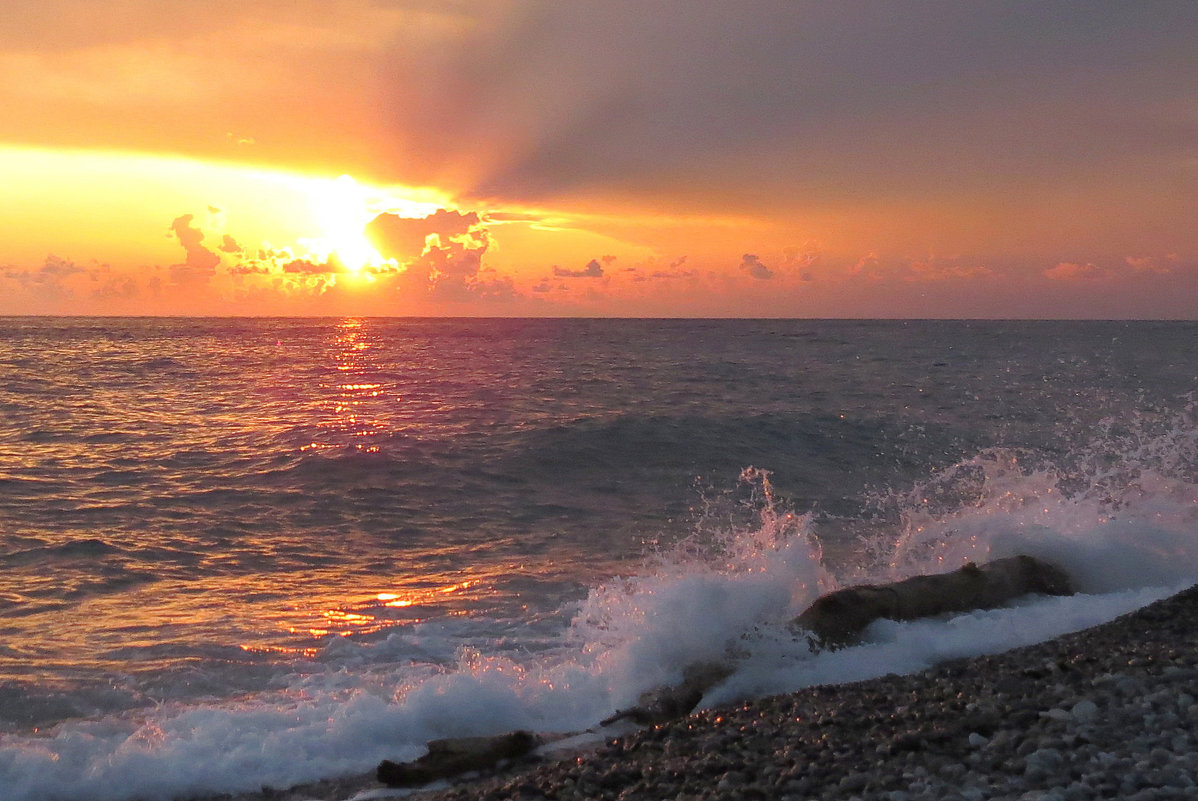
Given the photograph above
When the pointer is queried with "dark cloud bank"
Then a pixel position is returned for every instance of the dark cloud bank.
(783, 98)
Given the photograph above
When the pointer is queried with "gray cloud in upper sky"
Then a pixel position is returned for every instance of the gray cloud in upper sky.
(852, 99)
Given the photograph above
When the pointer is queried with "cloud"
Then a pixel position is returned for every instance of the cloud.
(55, 268)
(593, 270)
(511, 216)
(405, 238)
(229, 245)
(1152, 264)
(868, 266)
(117, 287)
(142, 77)
(671, 272)
(801, 258)
(670, 275)
(51, 275)
(674, 270)
(1129, 266)
(488, 285)
(792, 95)
(60, 286)
(454, 261)
(753, 266)
(1072, 271)
(308, 267)
(200, 264)
(282, 262)
(436, 257)
(940, 269)
(263, 261)
(441, 255)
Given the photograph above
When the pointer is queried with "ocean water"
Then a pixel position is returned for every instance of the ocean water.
(238, 553)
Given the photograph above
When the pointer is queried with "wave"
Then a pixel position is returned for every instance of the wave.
(85, 548)
(1119, 513)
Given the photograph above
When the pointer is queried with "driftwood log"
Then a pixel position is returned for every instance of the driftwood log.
(457, 755)
(838, 618)
(667, 703)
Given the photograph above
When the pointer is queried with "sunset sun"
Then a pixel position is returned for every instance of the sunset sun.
(341, 209)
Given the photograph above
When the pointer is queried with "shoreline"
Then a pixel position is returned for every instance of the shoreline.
(1102, 712)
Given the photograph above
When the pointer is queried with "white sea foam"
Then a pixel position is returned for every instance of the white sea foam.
(1126, 542)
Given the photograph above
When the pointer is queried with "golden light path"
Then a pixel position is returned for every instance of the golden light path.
(344, 623)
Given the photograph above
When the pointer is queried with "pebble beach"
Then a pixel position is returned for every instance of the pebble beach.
(1108, 712)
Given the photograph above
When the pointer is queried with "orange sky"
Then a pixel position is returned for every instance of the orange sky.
(537, 157)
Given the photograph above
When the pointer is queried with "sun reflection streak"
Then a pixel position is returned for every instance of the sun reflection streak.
(371, 615)
(359, 399)
(397, 600)
(352, 419)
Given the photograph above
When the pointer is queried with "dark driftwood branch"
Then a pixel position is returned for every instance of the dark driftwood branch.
(666, 703)
(838, 618)
(457, 755)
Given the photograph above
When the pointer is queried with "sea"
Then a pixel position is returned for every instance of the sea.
(244, 553)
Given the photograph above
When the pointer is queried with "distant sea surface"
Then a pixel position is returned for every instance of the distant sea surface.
(247, 552)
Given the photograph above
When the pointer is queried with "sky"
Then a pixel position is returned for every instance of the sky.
(626, 158)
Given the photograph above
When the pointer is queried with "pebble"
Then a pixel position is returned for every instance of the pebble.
(1084, 711)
